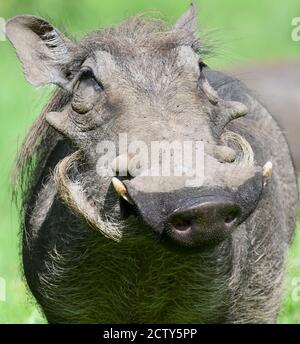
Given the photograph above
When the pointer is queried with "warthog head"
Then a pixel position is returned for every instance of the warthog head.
(152, 139)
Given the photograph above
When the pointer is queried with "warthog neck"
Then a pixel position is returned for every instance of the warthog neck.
(93, 279)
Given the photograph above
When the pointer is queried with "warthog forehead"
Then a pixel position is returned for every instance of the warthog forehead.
(173, 63)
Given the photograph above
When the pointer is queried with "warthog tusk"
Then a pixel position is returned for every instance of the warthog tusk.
(120, 189)
(267, 170)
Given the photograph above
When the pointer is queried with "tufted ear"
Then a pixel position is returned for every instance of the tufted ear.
(189, 20)
(42, 49)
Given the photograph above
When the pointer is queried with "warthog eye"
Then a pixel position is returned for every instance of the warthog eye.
(87, 78)
(86, 91)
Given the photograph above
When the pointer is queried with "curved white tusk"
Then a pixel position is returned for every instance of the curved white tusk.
(267, 169)
(120, 189)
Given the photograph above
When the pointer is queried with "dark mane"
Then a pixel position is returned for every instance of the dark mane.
(35, 149)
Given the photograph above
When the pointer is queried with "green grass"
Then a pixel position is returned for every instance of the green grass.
(291, 308)
(242, 31)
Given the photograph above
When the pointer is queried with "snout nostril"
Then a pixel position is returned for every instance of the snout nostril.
(205, 223)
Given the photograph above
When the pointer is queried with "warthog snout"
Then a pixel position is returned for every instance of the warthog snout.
(192, 217)
(209, 221)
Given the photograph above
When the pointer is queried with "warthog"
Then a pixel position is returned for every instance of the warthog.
(120, 247)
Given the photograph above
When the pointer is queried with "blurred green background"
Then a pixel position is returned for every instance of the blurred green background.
(242, 32)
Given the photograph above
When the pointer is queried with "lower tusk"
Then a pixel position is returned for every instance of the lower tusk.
(267, 172)
(120, 189)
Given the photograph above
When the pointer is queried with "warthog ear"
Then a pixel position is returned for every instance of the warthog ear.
(189, 20)
(42, 49)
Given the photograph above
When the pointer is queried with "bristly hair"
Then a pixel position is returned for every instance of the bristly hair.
(33, 153)
(141, 31)
(138, 31)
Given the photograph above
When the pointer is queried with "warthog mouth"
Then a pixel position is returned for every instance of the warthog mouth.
(74, 196)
